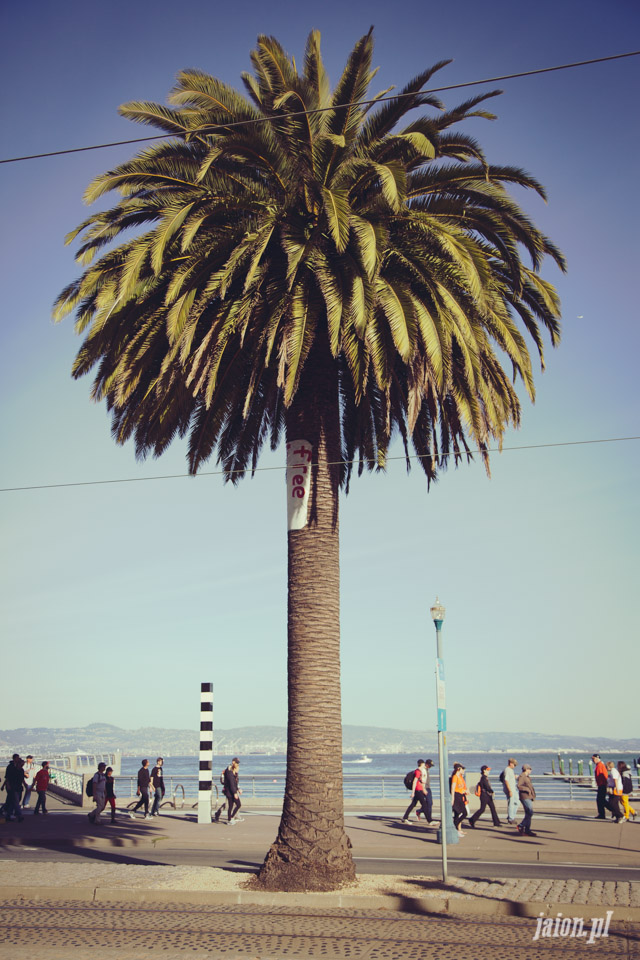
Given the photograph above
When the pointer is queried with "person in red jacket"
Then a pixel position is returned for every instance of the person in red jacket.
(419, 791)
(601, 774)
(41, 784)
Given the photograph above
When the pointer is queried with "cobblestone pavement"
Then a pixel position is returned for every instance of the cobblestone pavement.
(95, 875)
(53, 930)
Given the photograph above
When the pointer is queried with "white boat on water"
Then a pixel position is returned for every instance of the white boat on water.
(363, 759)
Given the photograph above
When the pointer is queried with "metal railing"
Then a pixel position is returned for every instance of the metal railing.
(355, 786)
(66, 780)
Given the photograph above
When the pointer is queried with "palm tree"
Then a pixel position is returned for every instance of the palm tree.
(303, 263)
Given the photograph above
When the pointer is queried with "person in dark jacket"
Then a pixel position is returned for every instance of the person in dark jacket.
(14, 784)
(157, 785)
(110, 792)
(144, 778)
(627, 789)
(232, 791)
(486, 799)
(527, 794)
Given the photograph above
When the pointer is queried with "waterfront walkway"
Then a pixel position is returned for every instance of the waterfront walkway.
(135, 860)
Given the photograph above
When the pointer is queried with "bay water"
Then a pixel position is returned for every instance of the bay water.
(263, 775)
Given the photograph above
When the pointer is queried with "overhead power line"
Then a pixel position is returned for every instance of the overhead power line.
(281, 468)
(303, 113)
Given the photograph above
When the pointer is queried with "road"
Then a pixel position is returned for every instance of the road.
(252, 859)
(97, 931)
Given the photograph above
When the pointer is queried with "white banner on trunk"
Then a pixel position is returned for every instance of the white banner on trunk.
(299, 455)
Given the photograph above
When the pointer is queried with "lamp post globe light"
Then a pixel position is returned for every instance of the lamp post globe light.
(447, 832)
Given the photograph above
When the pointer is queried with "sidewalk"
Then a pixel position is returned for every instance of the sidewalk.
(562, 837)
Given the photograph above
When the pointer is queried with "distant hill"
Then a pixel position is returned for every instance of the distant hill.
(257, 739)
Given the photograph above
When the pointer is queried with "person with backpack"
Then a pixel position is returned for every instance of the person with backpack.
(484, 790)
(614, 792)
(417, 781)
(627, 787)
(508, 781)
(98, 792)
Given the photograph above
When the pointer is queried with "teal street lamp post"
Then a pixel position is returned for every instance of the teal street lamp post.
(447, 832)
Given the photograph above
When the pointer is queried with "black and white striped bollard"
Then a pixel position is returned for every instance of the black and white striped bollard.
(206, 753)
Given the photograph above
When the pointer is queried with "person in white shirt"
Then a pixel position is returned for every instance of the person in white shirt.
(29, 773)
(614, 792)
(508, 779)
(99, 792)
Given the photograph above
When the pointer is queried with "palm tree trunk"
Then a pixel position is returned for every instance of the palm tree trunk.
(312, 850)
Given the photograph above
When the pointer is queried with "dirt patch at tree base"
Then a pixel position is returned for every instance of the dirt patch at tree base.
(283, 877)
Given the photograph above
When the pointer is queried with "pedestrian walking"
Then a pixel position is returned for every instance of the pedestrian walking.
(231, 792)
(627, 788)
(486, 799)
(419, 791)
(508, 781)
(29, 773)
(41, 785)
(110, 792)
(459, 796)
(428, 796)
(157, 785)
(601, 776)
(144, 779)
(614, 792)
(14, 783)
(527, 795)
(99, 792)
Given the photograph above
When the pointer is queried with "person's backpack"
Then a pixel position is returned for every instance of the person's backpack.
(89, 787)
(478, 788)
(501, 776)
(409, 778)
(222, 776)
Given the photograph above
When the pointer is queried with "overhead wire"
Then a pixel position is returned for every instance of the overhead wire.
(257, 120)
(210, 128)
(333, 463)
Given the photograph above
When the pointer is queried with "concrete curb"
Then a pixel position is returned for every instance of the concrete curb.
(460, 906)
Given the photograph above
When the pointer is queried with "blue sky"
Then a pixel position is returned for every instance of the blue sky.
(117, 600)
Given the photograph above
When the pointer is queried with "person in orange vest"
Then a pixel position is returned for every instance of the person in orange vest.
(459, 796)
(601, 774)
